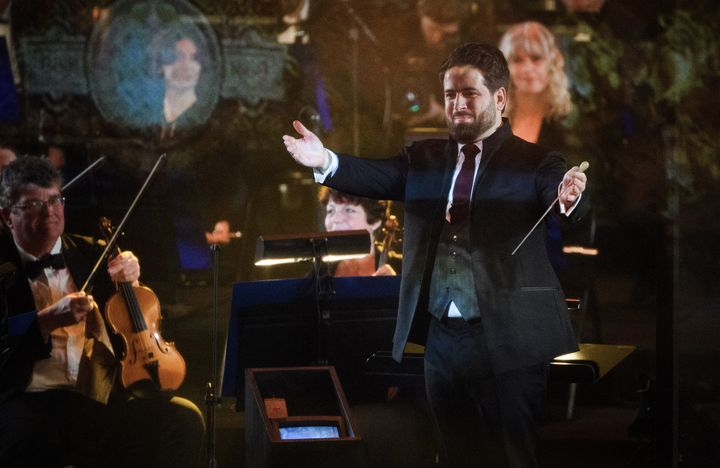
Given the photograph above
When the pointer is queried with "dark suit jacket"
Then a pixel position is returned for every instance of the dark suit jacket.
(523, 308)
(18, 352)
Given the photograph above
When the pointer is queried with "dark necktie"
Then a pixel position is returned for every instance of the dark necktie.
(34, 269)
(460, 207)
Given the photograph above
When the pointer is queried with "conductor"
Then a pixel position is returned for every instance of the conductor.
(490, 321)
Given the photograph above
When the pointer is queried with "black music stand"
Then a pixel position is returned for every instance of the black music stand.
(318, 248)
(274, 323)
(311, 247)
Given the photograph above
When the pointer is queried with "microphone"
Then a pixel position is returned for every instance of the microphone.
(216, 236)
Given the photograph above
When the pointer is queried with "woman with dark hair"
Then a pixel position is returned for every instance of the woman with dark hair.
(345, 212)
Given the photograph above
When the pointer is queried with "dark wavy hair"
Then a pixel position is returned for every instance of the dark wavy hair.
(24, 171)
(374, 209)
(486, 58)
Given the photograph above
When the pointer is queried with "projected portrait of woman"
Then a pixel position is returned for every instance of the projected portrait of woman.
(181, 77)
(153, 73)
(180, 61)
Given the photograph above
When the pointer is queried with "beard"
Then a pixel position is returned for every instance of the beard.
(469, 132)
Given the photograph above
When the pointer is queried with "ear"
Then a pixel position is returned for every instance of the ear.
(500, 98)
(375, 225)
(5, 212)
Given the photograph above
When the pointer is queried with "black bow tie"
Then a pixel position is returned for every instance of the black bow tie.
(55, 261)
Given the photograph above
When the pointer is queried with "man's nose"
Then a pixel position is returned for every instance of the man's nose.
(460, 103)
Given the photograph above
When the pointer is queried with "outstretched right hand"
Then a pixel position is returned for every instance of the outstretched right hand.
(307, 150)
(69, 310)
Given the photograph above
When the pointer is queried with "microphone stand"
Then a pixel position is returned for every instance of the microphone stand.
(211, 397)
(323, 291)
(355, 64)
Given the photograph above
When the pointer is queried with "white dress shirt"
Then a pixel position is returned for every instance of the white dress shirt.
(61, 368)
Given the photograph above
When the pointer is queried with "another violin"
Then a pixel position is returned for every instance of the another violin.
(134, 314)
(391, 229)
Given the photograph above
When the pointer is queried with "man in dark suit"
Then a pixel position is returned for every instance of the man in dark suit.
(58, 404)
(491, 321)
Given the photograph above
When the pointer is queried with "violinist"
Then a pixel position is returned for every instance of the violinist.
(59, 399)
(347, 212)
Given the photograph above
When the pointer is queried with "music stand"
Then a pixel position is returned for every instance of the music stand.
(320, 248)
(312, 246)
(273, 324)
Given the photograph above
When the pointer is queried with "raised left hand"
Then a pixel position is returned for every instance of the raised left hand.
(573, 184)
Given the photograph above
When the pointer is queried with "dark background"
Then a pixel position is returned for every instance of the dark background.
(645, 92)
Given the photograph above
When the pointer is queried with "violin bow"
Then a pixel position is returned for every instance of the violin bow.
(111, 242)
(85, 171)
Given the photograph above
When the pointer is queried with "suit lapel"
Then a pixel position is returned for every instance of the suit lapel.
(449, 160)
(98, 365)
(74, 262)
(491, 145)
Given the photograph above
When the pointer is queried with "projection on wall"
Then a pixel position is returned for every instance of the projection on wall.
(154, 66)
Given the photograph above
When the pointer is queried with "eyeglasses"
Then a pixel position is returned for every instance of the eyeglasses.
(35, 206)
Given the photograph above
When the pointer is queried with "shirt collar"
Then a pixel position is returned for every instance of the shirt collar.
(478, 143)
(27, 257)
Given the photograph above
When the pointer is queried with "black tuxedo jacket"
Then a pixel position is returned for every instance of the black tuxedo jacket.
(523, 308)
(18, 352)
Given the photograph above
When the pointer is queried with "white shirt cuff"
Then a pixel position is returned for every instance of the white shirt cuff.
(320, 175)
(568, 211)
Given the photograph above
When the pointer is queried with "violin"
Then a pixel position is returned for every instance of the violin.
(134, 314)
(366, 266)
(391, 229)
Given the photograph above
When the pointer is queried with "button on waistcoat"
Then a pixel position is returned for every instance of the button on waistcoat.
(452, 277)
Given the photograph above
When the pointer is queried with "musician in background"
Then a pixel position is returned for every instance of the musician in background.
(59, 400)
(433, 31)
(344, 212)
(221, 233)
(7, 155)
(539, 102)
(539, 98)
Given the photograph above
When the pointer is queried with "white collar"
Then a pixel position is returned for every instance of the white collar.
(27, 257)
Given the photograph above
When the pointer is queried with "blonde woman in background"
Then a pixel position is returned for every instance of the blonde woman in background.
(539, 96)
(538, 99)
